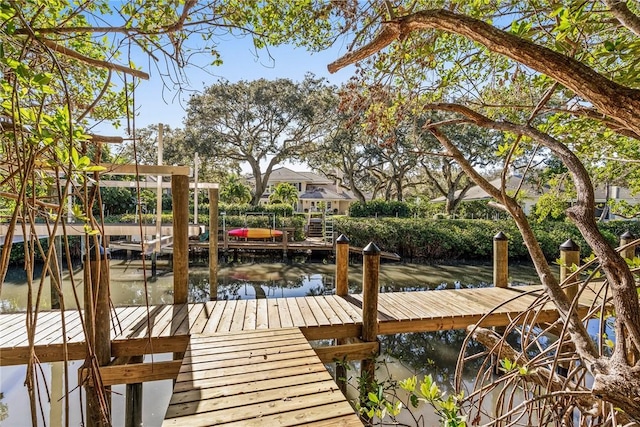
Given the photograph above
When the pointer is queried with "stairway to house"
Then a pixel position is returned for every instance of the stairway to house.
(315, 228)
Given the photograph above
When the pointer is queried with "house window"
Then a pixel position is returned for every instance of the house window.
(328, 205)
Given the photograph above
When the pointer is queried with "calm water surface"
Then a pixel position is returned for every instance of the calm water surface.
(405, 354)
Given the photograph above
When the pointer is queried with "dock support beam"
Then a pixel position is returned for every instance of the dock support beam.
(370, 288)
(500, 260)
(180, 196)
(213, 244)
(133, 396)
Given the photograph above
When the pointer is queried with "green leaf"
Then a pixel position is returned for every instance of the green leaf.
(609, 46)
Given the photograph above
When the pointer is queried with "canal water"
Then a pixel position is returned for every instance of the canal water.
(403, 354)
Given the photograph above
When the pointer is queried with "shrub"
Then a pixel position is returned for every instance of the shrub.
(380, 207)
(449, 239)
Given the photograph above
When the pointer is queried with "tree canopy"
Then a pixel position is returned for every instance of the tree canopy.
(260, 122)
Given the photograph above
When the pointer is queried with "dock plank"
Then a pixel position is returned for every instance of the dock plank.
(237, 321)
(250, 315)
(214, 319)
(198, 324)
(224, 325)
(262, 315)
(285, 313)
(273, 313)
(321, 318)
(329, 311)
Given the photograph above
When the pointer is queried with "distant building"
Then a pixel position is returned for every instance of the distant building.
(529, 195)
(313, 189)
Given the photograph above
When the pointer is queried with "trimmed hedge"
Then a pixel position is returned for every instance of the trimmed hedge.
(431, 240)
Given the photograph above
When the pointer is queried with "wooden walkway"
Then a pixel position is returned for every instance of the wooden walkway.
(166, 328)
(248, 362)
(256, 378)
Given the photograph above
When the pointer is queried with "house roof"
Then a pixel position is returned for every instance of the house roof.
(324, 193)
(531, 192)
(283, 174)
(477, 193)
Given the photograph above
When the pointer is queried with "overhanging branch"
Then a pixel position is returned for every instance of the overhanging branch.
(612, 99)
(92, 61)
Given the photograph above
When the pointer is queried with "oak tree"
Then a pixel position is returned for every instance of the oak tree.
(262, 123)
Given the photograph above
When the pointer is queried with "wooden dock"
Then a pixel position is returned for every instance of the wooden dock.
(256, 378)
(307, 245)
(137, 330)
(248, 362)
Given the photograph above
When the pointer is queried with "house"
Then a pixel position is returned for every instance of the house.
(314, 191)
(529, 195)
(527, 198)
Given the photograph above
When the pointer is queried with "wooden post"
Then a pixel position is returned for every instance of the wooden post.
(133, 396)
(213, 244)
(342, 289)
(196, 191)
(500, 260)
(569, 256)
(500, 279)
(342, 265)
(98, 325)
(180, 196)
(629, 253)
(370, 287)
(55, 275)
(59, 395)
(285, 244)
(625, 239)
(154, 265)
(158, 245)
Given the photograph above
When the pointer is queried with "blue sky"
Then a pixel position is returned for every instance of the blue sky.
(156, 104)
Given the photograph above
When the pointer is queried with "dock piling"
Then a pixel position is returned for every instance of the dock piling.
(342, 289)
(285, 244)
(630, 251)
(500, 260)
(342, 265)
(370, 288)
(98, 323)
(133, 397)
(569, 257)
(180, 194)
(213, 244)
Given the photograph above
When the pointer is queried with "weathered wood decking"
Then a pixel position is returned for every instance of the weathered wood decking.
(166, 328)
(256, 378)
(248, 362)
